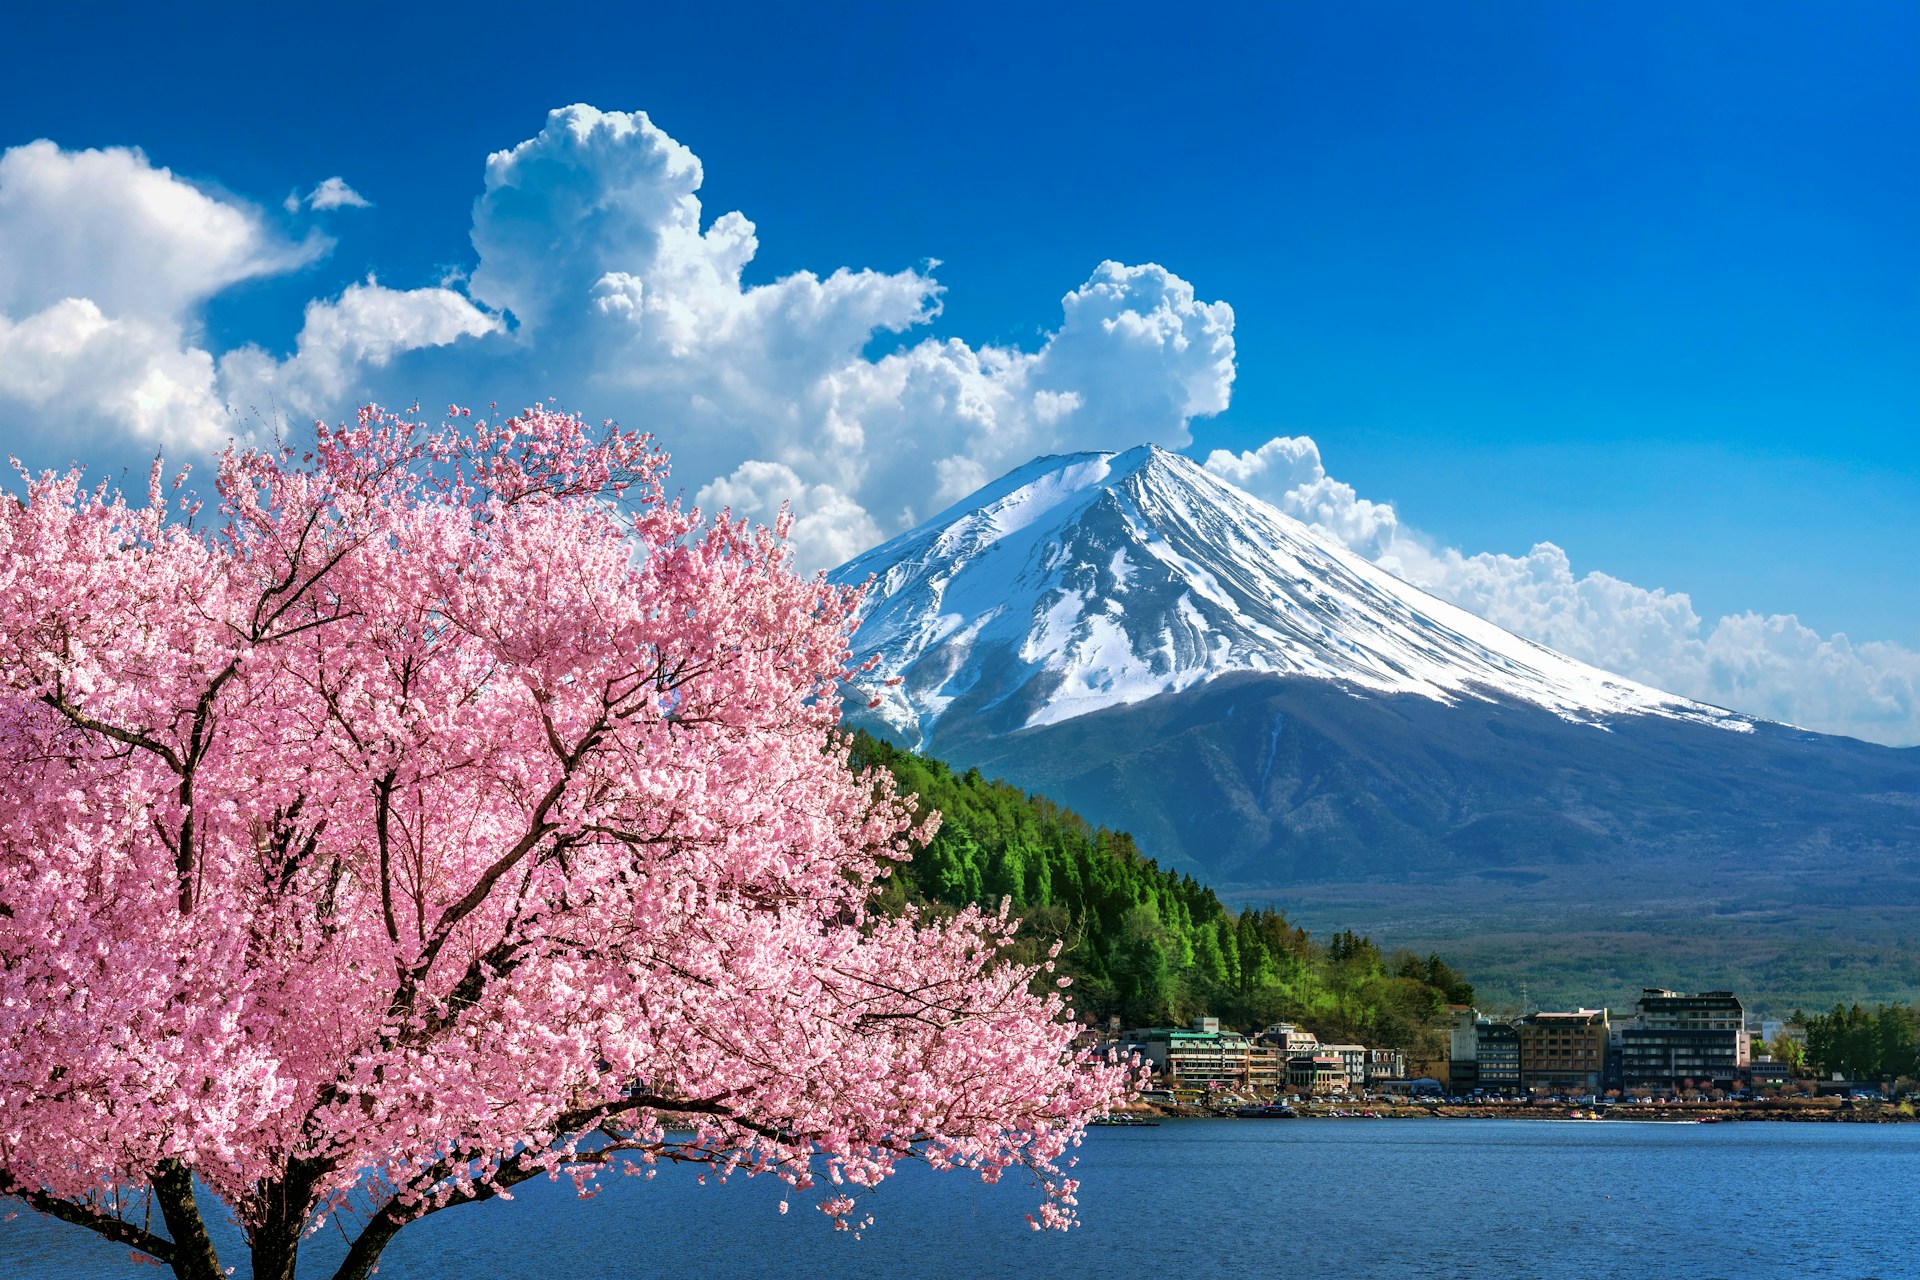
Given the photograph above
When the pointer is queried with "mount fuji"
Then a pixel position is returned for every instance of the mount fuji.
(1099, 580)
(1152, 646)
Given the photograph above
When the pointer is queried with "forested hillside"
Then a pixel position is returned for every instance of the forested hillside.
(1145, 944)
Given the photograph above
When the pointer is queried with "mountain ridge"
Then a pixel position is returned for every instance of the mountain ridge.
(1141, 641)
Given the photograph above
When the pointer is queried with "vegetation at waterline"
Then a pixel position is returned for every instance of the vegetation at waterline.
(1864, 1044)
(1142, 943)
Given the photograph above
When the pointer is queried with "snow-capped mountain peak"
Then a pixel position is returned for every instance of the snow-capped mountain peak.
(1088, 580)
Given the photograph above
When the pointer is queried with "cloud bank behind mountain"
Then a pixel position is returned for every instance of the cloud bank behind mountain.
(1770, 666)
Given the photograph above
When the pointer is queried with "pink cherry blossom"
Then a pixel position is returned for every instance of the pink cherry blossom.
(456, 809)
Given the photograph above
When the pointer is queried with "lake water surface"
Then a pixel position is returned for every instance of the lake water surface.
(1193, 1199)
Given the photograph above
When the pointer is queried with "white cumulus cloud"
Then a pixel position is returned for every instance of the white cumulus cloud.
(599, 280)
(1137, 357)
(828, 527)
(1775, 666)
(108, 226)
(1287, 472)
(107, 263)
(592, 237)
(334, 193)
(345, 340)
(69, 369)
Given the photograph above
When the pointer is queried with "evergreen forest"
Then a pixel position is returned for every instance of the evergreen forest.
(1864, 1044)
(1145, 945)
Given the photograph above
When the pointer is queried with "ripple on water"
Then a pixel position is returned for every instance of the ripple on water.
(1321, 1198)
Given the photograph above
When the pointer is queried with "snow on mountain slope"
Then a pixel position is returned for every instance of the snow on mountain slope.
(1081, 582)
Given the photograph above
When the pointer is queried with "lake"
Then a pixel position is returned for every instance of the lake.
(1204, 1198)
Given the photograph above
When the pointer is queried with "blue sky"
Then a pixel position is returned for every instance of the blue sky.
(1642, 282)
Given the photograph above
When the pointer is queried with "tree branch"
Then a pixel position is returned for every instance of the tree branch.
(537, 830)
(82, 720)
(118, 1230)
(382, 817)
(386, 1221)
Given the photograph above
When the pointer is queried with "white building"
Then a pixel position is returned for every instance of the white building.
(1353, 1059)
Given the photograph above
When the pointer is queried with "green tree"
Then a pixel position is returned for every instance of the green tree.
(1787, 1049)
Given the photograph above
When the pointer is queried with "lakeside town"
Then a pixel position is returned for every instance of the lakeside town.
(1699, 1055)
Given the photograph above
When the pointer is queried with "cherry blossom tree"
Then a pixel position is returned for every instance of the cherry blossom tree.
(455, 809)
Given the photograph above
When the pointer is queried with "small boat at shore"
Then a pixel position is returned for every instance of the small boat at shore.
(1271, 1111)
(1124, 1122)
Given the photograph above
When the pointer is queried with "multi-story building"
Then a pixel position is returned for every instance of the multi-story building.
(1317, 1073)
(1202, 1057)
(1653, 1059)
(1385, 1064)
(1663, 1010)
(1679, 1040)
(1353, 1060)
(1563, 1052)
(1463, 1047)
(1266, 1068)
(1291, 1039)
(1496, 1058)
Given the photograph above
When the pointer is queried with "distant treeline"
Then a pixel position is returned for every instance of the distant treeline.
(1864, 1044)
(1145, 944)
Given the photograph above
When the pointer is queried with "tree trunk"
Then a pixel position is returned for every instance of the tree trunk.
(274, 1258)
(193, 1255)
(282, 1218)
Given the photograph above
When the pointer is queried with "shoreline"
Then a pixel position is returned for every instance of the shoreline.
(1787, 1111)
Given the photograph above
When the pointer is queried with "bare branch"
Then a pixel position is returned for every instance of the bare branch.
(82, 720)
(118, 1230)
